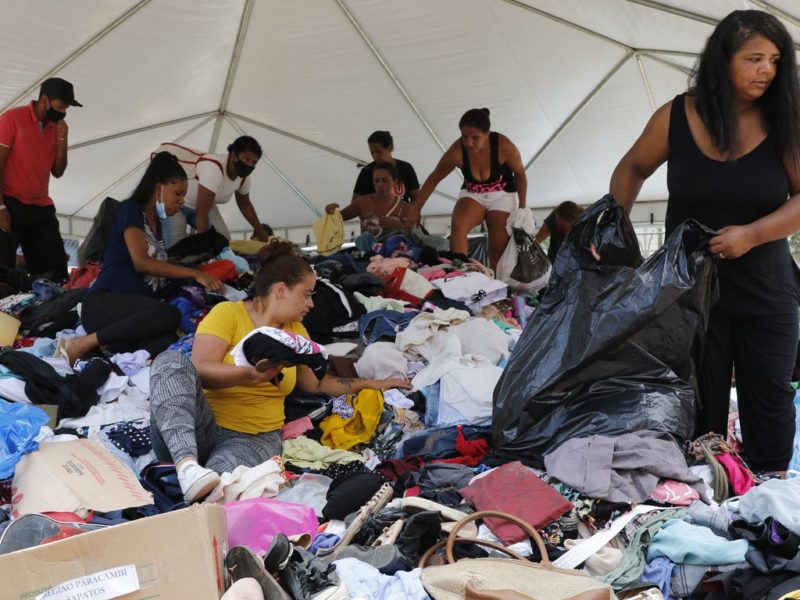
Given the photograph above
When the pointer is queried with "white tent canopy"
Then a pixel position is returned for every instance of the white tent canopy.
(571, 82)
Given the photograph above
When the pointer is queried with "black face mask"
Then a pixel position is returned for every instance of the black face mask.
(242, 169)
(54, 115)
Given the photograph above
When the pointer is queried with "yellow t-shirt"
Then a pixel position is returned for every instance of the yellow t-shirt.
(255, 408)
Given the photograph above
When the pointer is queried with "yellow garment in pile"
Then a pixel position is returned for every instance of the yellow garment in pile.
(310, 454)
(246, 247)
(358, 429)
(329, 231)
(254, 408)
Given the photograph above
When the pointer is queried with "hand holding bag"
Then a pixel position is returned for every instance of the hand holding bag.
(492, 578)
(524, 265)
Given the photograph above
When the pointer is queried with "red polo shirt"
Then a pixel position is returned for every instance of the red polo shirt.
(32, 152)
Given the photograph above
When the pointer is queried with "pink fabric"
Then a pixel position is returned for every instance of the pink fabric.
(674, 492)
(383, 267)
(432, 274)
(296, 428)
(740, 478)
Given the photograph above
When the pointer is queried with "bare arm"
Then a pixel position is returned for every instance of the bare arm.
(449, 161)
(339, 386)
(137, 248)
(207, 355)
(514, 162)
(543, 233)
(735, 240)
(60, 163)
(648, 153)
(350, 211)
(205, 198)
(249, 212)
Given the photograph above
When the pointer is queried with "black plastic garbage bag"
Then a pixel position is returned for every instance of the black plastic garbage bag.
(613, 345)
(532, 262)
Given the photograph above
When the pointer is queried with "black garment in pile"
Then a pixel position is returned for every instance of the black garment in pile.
(260, 346)
(208, 242)
(47, 319)
(754, 326)
(333, 308)
(349, 493)
(73, 394)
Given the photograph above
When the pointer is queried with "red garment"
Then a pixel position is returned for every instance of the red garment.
(393, 470)
(83, 277)
(514, 489)
(68, 517)
(472, 451)
(393, 289)
(32, 152)
(222, 269)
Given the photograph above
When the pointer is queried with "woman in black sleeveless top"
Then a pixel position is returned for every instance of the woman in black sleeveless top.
(494, 182)
(732, 147)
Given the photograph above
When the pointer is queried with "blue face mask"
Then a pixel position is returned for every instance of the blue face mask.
(161, 210)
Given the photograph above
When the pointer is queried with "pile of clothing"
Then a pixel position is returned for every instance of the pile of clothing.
(370, 486)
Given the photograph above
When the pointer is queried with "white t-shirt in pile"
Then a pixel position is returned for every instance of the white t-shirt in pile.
(211, 175)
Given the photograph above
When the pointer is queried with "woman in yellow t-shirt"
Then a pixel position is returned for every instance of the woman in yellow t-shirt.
(212, 412)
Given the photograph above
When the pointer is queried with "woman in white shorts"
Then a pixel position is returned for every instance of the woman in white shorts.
(494, 182)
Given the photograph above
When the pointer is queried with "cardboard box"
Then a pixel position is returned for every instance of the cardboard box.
(76, 476)
(177, 556)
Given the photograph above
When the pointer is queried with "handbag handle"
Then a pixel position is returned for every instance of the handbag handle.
(483, 514)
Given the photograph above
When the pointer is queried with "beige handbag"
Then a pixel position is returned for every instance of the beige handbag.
(503, 578)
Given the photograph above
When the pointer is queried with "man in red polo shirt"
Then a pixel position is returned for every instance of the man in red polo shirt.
(33, 145)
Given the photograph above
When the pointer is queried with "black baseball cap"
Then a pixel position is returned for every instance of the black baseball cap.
(55, 87)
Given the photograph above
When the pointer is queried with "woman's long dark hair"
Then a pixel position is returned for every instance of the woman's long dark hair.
(163, 168)
(710, 83)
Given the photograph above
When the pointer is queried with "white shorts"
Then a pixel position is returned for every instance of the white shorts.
(502, 201)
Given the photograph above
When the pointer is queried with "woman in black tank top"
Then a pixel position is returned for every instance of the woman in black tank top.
(732, 148)
(489, 196)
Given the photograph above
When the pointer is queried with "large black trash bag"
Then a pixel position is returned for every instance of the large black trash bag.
(613, 345)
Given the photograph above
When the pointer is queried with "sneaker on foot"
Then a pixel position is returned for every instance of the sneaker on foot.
(196, 482)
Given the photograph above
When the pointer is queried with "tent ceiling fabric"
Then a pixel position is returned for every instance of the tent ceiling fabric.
(571, 82)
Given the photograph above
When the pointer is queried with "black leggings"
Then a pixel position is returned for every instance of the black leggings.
(128, 322)
(762, 350)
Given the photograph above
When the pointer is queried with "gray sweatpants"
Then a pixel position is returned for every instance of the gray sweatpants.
(182, 424)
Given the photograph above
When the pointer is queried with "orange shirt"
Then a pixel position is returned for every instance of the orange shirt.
(32, 152)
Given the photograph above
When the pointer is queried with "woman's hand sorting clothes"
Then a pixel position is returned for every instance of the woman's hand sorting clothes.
(331, 207)
(257, 376)
(390, 383)
(732, 242)
(209, 282)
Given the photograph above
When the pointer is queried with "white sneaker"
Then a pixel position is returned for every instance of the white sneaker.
(196, 482)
